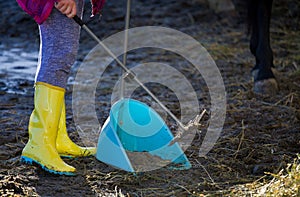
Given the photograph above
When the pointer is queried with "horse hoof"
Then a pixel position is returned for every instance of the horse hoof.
(274, 71)
(266, 87)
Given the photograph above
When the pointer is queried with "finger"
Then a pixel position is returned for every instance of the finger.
(64, 9)
(59, 5)
(68, 10)
(73, 12)
(70, 15)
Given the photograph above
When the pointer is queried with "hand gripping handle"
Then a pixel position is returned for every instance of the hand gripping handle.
(78, 20)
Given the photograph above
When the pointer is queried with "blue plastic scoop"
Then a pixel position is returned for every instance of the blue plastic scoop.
(135, 138)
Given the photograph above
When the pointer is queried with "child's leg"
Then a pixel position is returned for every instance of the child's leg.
(59, 45)
(59, 37)
(47, 129)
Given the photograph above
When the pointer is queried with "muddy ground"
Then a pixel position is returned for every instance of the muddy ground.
(261, 133)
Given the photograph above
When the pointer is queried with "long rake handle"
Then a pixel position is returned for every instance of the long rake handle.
(127, 20)
(81, 23)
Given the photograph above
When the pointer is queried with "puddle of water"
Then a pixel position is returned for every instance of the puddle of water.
(17, 69)
(17, 64)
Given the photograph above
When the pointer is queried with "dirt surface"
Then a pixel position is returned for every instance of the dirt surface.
(261, 133)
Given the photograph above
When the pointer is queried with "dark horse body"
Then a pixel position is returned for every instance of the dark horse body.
(259, 16)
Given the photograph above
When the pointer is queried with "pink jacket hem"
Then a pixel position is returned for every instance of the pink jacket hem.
(41, 9)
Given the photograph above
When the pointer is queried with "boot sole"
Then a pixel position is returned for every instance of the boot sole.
(30, 161)
(74, 156)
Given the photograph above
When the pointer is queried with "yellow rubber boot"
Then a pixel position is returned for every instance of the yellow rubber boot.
(65, 146)
(43, 125)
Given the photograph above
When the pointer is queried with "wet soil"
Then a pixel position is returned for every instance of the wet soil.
(261, 132)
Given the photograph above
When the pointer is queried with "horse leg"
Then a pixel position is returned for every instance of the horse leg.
(260, 16)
